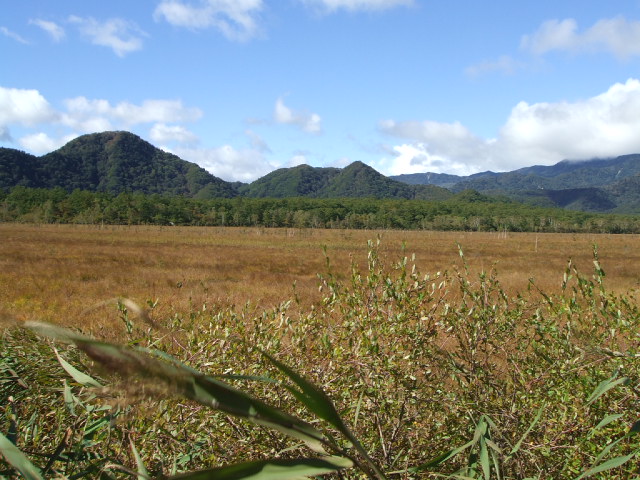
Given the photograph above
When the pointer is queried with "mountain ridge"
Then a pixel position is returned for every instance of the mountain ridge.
(119, 161)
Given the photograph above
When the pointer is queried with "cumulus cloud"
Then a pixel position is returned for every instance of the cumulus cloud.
(13, 35)
(29, 108)
(357, 5)
(41, 143)
(605, 125)
(54, 30)
(122, 36)
(228, 163)
(416, 158)
(309, 122)
(23, 107)
(618, 36)
(85, 115)
(235, 19)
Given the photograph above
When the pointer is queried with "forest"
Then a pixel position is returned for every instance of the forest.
(465, 211)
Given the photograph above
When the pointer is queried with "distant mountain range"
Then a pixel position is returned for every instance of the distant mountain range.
(116, 162)
(598, 185)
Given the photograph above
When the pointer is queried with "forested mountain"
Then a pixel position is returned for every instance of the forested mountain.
(111, 162)
(354, 181)
(599, 185)
(300, 181)
(115, 162)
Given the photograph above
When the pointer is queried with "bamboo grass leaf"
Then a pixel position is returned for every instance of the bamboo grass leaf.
(183, 380)
(18, 460)
(484, 459)
(437, 460)
(318, 402)
(605, 386)
(607, 420)
(143, 474)
(516, 447)
(80, 377)
(275, 469)
(608, 465)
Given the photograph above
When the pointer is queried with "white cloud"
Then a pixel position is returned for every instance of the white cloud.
(357, 5)
(228, 163)
(416, 158)
(24, 107)
(56, 32)
(163, 133)
(614, 35)
(41, 143)
(605, 125)
(235, 19)
(13, 35)
(120, 35)
(451, 140)
(94, 115)
(309, 122)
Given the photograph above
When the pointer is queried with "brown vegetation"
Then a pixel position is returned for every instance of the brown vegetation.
(60, 273)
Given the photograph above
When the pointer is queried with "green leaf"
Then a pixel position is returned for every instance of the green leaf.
(443, 457)
(516, 447)
(484, 459)
(607, 420)
(185, 381)
(143, 474)
(605, 386)
(77, 375)
(318, 402)
(608, 465)
(275, 469)
(18, 460)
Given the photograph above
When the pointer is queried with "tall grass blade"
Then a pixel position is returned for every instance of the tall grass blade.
(275, 469)
(18, 460)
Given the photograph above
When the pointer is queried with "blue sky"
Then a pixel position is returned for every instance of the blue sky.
(243, 87)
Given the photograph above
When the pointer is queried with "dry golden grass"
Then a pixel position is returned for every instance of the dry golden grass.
(60, 273)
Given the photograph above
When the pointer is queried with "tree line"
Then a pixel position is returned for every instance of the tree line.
(464, 212)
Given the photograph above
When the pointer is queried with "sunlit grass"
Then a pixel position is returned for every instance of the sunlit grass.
(60, 272)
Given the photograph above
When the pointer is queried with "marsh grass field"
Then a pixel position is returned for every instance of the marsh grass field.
(63, 273)
(374, 354)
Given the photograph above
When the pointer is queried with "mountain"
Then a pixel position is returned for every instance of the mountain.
(111, 162)
(355, 180)
(598, 185)
(117, 162)
(300, 181)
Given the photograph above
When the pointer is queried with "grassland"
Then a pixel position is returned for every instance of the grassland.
(60, 273)
(452, 363)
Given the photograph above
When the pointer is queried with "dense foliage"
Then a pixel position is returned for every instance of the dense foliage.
(467, 210)
(442, 375)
